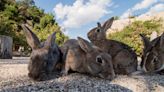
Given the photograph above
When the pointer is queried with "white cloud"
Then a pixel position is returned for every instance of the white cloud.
(81, 13)
(144, 4)
(156, 8)
(153, 10)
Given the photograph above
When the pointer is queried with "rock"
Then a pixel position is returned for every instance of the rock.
(6, 43)
(153, 35)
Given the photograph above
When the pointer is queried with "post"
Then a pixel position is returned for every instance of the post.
(6, 43)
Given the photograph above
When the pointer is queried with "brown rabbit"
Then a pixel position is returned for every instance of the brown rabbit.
(153, 54)
(44, 57)
(83, 57)
(123, 57)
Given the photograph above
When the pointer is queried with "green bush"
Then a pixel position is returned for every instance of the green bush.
(46, 19)
(130, 34)
(14, 13)
(43, 33)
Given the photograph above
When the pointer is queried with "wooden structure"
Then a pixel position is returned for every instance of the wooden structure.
(6, 43)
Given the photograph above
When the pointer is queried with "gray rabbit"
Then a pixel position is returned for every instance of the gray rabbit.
(153, 54)
(45, 56)
(123, 57)
(83, 57)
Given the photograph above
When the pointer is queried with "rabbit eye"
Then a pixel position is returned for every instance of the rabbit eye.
(99, 60)
(98, 30)
(155, 60)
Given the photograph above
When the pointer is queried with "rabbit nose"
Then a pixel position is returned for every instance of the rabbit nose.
(111, 77)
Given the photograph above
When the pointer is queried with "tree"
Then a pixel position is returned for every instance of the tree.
(2, 4)
(26, 2)
(116, 18)
(46, 19)
(13, 14)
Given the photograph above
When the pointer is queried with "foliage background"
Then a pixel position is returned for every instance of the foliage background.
(130, 34)
(15, 12)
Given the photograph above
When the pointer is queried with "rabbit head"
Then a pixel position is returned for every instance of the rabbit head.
(100, 63)
(153, 54)
(99, 33)
(44, 55)
(90, 59)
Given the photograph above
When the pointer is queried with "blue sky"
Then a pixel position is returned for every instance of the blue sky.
(77, 17)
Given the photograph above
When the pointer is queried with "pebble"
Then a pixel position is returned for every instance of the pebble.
(76, 82)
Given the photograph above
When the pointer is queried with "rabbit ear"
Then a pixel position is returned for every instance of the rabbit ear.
(98, 24)
(162, 41)
(108, 24)
(146, 41)
(85, 45)
(32, 39)
(50, 41)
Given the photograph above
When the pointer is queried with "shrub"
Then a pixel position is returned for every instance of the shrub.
(130, 34)
(14, 13)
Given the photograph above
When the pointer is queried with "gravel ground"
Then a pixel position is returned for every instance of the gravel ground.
(13, 78)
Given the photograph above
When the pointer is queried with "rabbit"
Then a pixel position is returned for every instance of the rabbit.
(153, 55)
(124, 59)
(83, 57)
(45, 56)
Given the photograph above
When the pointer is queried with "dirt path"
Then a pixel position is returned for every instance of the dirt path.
(13, 78)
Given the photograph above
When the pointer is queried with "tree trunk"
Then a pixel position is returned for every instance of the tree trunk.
(6, 43)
